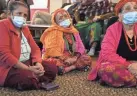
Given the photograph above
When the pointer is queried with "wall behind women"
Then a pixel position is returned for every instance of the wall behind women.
(55, 4)
(42, 5)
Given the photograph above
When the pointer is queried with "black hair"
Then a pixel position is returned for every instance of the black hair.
(15, 4)
(3, 6)
(120, 10)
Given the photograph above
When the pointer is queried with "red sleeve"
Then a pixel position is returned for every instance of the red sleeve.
(5, 52)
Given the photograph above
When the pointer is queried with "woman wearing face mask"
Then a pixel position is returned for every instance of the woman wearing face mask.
(63, 44)
(20, 58)
(117, 62)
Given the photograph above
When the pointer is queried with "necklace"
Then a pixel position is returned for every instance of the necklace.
(130, 40)
(135, 41)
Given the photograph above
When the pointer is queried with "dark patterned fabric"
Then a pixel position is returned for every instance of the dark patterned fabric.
(91, 8)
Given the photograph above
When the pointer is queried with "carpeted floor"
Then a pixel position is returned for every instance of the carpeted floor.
(74, 84)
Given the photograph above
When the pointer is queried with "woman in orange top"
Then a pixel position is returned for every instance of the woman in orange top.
(62, 43)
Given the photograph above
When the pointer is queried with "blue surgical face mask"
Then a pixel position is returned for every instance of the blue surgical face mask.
(130, 18)
(18, 21)
(66, 23)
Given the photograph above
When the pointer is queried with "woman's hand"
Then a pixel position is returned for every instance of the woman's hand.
(3, 16)
(96, 18)
(133, 68)
(40, 66)
(70, 61)
(38, 69)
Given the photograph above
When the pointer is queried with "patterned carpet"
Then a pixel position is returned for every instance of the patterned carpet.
(74, 84)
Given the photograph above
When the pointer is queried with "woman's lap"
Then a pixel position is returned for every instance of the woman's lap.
(27, 80)
(21, 79)
(116, 75)
(82, 60)
(50, 70)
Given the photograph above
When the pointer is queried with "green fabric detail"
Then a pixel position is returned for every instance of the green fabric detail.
(84, 31)
(96, 28)
(68, 46)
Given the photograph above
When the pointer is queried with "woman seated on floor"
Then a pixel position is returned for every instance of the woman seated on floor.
(117, 62)
(21, 65)
(63, 44)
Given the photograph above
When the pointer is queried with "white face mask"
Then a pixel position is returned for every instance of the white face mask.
(18, 21)
(66, 23)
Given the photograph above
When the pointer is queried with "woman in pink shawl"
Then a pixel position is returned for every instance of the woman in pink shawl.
(117, 62)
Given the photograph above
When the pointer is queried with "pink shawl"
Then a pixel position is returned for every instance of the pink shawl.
(109, 49)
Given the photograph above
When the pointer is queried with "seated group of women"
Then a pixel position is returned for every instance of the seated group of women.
(23, 67)
(21, 63)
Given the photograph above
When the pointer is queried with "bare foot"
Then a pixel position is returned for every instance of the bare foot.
(67, 69)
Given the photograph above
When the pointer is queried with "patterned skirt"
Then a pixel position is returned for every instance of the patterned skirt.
(82, 61)
(116, 75)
